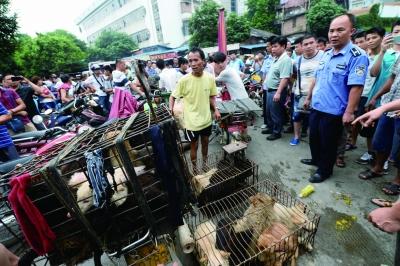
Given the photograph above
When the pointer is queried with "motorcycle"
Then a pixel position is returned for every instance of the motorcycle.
(253, 86)
(81, 110)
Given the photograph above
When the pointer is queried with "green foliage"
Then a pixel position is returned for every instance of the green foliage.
(237, 28)
(52, 52)
(262, 14)
(8, 31)
(372, 18)
(203, 25)
(320, 14)
(111, 45)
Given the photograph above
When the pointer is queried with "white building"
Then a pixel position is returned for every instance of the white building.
(148, 22)
(354, 4)
(236, 6)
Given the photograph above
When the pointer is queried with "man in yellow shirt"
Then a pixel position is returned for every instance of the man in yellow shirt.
(198, 90)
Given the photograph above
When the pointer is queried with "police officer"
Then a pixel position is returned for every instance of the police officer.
(339, 83)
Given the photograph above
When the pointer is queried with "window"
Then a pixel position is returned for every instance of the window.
(233, 6)
(294, 20)
(185, 27)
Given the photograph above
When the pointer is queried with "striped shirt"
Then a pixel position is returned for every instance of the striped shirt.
(5, 139)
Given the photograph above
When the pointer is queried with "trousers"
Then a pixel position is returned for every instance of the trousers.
(325, 132)
(275, 112)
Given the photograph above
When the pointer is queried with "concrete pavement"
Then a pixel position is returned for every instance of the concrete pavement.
(343, 196)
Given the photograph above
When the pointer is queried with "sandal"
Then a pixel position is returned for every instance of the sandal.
(382, 202)
(340, 162)
(350, 147)
(369, 174)
(391, 189)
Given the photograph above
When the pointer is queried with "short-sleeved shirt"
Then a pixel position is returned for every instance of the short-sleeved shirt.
(120, 80)
(168, 79)
(388, 61)
(308, 67)
(26, 93)
(280, 68)
(335, 76)
(369, 80)
(9, 100)
(394, 93)
(196, 92)
(237, 64)
(233, 83)
(5, 139)
(97, 83)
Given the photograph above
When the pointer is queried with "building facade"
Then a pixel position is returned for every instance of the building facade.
(235, 6)
(148, 22)
(292, 14)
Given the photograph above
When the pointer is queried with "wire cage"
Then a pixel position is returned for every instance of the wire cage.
(39, 193)
(259, 225)
(137, 203)
(220, 175)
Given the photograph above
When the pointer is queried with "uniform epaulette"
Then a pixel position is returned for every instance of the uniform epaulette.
(355, 51)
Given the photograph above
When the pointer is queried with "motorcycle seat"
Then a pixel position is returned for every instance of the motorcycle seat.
(10, 165)
(28, 135)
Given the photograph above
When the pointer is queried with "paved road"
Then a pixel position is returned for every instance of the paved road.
(343, 196)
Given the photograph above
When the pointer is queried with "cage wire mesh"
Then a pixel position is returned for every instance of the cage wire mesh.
(258, 225)
(220, 175)
(139, 203)
(39, 193)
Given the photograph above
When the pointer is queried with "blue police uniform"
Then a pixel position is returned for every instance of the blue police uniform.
(335, 76)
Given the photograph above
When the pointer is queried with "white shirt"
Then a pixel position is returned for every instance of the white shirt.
(120, 80)
(168, 79)
(100, 82)
(233, 83)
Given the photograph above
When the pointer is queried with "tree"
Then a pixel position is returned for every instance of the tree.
(111, 45)
(262, 14)
(8, 31)
(237, 28)
(320, 15)
(53, 52)
(203, 25)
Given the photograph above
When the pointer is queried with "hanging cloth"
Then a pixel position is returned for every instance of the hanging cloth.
(33, 225)
(98, 181)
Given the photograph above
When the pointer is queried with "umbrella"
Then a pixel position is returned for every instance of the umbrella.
(221, 31)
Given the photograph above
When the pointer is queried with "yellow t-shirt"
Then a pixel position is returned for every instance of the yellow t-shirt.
(196, 92)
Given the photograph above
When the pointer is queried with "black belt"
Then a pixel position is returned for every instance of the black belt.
(271, 90)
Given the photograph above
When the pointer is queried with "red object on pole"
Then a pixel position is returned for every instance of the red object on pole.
(221, 31)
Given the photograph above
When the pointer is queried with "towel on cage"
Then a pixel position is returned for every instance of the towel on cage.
(84, 192)
(167, 172)
(98, 181)
(123, 105)
(33, 225)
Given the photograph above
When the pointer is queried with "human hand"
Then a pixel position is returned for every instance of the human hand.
(387, 41)
(277, 97)
(385, 219)
(307, 104)
(348, 118)
(368, 119)
(217, 115)
(371, 104)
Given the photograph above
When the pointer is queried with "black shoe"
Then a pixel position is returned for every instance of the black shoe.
(308, 162)
(266, 131)
(274, 136)
(317, 178)
(289, 129)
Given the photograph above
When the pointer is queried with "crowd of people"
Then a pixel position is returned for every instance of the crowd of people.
(331, 90)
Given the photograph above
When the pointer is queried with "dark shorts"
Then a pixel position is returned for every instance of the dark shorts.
(194, 135)
(361, 106)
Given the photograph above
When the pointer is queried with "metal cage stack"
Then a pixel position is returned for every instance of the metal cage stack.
(141, 205)
(40, 194)
(259, 225)
(221, 175)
